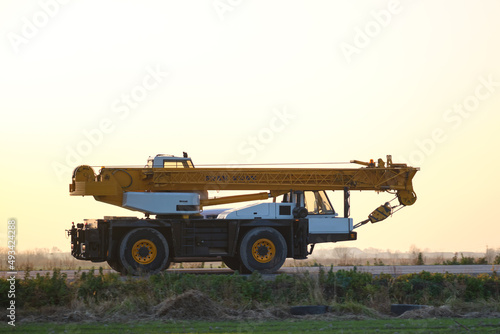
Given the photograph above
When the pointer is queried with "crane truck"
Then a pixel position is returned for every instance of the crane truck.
(257, 237)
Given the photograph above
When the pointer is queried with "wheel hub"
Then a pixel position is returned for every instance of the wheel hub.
(263, 250)
(144, 251)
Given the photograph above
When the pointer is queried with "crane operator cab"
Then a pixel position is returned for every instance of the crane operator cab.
(324, 223)
(314, 205)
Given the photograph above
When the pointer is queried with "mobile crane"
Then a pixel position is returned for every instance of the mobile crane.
(258, 237)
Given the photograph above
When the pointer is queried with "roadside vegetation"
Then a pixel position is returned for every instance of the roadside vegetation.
(95, 296)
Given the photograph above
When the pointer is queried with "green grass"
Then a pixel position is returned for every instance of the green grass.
(285, 326)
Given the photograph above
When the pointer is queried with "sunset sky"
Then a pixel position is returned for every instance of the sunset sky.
(113, 82)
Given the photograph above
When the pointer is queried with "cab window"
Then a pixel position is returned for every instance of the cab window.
(317, 203)
(170, 164)
(177, 164)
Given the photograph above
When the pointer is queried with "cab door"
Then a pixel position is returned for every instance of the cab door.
(321, 215)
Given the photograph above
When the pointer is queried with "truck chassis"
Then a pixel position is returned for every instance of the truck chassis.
(135, 246)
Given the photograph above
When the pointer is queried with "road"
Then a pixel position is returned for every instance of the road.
(375, 270)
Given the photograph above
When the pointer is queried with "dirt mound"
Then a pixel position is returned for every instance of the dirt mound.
(192, 304)
(429, 312)
(265, 314)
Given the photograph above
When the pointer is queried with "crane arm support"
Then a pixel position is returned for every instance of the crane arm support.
(234, 199)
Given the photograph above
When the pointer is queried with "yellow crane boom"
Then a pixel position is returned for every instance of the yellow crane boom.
(111, 183)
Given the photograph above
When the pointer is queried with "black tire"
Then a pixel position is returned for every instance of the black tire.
(114, 258)
(311, 309)
(144, 251)
(115, 265)
(231, 262)
(399, 309)
(263, 249)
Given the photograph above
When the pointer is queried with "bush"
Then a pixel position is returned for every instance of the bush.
(346, 285)
(420, 259)
(454, 261)
(466, 259)
(92, 288)
(44, 290)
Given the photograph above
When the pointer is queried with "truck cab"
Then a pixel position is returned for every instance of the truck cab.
(314, 205)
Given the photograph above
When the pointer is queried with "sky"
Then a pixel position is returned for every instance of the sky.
(233, 81)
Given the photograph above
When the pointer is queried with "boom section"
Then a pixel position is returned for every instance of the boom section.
(379, 179)
(111, 183)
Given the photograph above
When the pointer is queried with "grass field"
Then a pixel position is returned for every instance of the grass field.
(476, 325)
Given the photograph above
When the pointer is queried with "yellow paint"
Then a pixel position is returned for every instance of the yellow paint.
(141, 246)
(263, 250)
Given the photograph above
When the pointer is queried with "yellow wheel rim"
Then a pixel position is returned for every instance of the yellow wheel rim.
(263, 250)
(144, 251)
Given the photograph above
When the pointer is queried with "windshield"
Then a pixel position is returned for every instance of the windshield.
(177, 164)
(317, 203)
